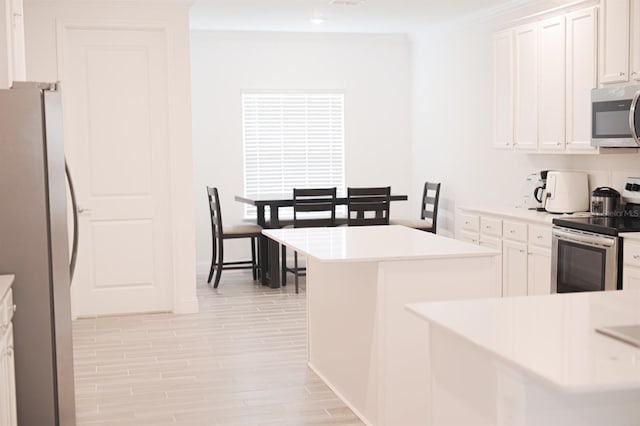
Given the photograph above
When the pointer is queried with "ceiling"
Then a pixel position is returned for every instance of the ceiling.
(371, 16)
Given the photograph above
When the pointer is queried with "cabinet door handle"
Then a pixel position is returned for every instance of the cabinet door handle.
(636, 256)
(622, 73)
(539, 237)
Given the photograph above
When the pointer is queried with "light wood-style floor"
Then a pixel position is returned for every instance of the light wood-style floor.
(241, 360)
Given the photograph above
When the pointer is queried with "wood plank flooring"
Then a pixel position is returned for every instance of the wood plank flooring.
(240, 361)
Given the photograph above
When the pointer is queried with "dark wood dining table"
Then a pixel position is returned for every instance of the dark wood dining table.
(269, 249)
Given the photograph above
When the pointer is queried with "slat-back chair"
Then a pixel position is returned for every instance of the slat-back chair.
(220, 233)
(428, 210)
(312, 207)
(368, 206)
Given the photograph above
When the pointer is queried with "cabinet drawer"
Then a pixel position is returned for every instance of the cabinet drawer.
(491, 242)
(470, 222)
(540, 235)
(515, 231)
(631, 254)
(491, 226)
(470, 237)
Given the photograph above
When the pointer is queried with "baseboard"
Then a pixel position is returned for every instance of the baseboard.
(187, 305)
(202, 268)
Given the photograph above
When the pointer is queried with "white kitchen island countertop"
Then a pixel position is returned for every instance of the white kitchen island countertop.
(374, 243)
(552, 338)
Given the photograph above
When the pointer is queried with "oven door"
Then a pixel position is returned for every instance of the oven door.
(583, 261)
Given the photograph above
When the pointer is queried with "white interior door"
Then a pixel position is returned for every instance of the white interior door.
(116, 140)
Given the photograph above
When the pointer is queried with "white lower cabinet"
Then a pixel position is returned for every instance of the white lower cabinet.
(514, 268)
(8, 415)
(539, 271)
(490, 242)
(631, 265)
(630, 278)
(539, 260)
(525, 247)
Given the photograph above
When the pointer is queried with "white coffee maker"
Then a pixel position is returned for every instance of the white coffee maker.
(531, 192)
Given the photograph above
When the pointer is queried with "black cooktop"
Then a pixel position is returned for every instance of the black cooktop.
(621, 222)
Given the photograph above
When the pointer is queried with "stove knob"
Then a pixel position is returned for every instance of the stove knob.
(628, 187)
(635, 187)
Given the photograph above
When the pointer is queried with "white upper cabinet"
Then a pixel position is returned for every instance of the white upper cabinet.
(554, 64)
(614, 41)
(551, 84)
(12, 52)
(635, 40)
(582, 60)
(503, 89)
(526, 93)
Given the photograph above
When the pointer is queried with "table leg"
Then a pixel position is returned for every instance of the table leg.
(269, 249)
(274, 263)
(264, 247)
(264, 259)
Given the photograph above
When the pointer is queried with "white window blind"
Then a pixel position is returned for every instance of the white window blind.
(292, 141)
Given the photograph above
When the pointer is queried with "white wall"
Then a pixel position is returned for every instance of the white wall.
(452, 128)
(373, 71)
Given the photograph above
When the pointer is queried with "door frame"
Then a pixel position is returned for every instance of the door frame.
(182, 213)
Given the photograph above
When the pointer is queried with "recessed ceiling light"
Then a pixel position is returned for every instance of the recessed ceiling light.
(317, 20)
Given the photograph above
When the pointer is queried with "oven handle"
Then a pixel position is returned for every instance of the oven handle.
(582, 238)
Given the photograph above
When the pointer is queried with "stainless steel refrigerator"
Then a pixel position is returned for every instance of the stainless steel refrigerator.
(34, 245)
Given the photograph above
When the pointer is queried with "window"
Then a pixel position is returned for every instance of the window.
(291, 141)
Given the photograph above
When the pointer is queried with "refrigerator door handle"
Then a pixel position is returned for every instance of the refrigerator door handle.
(74, 208)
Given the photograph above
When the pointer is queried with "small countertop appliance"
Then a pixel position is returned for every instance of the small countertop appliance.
(605, 201)
(566, 192)
(532, 191)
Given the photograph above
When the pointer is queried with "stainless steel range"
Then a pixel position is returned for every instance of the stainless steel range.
(587, 252)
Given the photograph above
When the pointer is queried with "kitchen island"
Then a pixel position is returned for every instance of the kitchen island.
(532, 360)
(361, 340)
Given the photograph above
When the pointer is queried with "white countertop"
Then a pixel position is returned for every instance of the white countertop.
(551, 338)
(630, 235)
(523, 214)
(373, 243)
(5, 284)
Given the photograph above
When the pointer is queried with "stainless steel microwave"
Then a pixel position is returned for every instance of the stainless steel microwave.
(615, 117)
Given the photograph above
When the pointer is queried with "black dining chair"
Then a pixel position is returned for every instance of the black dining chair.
(313, 207)
(428, 211)
(220, 233)
(368, 206)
